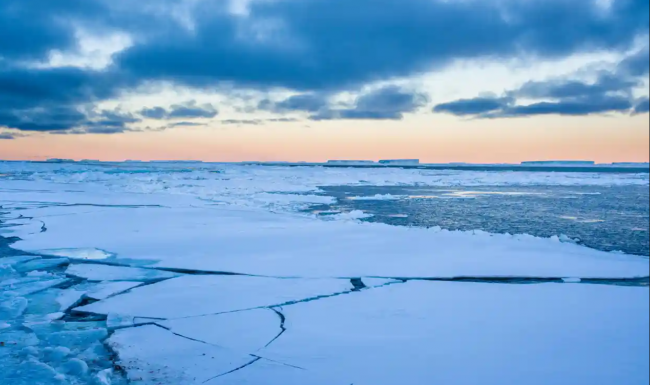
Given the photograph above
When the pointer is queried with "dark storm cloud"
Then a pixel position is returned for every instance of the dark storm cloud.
(334, 44)
(312, 46)
(31, 28)
(51, 99)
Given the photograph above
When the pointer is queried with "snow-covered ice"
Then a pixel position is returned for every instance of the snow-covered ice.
(469, 333)
(117, 273)
(41, 264)
(192, 296)
(256, 242)
(152, 355)
(103, 290)
(244, 331)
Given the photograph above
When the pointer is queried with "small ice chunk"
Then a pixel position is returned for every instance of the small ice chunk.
(56, 354)
(11, 261)
(12, 307)
(31, 286)
(98, 355)
(378, 197)
(39, 319)
(81, 253)
(41, 264)
(572, 280)
(29, 351)
(107, 289)
(33, 372)
(117, 273)
(19, 339)
(76, 367)
(351, 216)
(104, 377)
(116, 321)
(77, 339)
(68, 298)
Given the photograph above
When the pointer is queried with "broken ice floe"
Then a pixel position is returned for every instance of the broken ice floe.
(152, 355)
(93, 272)
(266, 244)
(80, 253)
(471, 333)
(246, 331)
(192, 296)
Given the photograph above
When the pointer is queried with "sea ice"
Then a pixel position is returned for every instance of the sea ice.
(80, 253)
(68, 298)
(152, 355)
(12, 261)
(103, 290)
(272, 373)
(245, 331)
(468, 333)
(41, 264)
(261, 243)
(31, 285)
(191, 296)
(11, 307)
(93, 272)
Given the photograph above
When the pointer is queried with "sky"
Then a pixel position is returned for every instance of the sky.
(482, 81)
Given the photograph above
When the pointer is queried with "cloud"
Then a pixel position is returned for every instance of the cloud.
(642, 106)
(477, 106)
(558, 89)
(341, 44)
(185, 124)
(597, 105)
(637, 64)
(389, 103)
(305, 102)
(188, 110)
(31, 29)
(64, 119)
(315, 47)
(154, 113)
(243, 122)
(611, 91)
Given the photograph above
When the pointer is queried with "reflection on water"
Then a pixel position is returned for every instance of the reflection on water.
(606, 218)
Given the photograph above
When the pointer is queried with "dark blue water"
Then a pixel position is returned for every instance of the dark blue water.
(604, 218)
